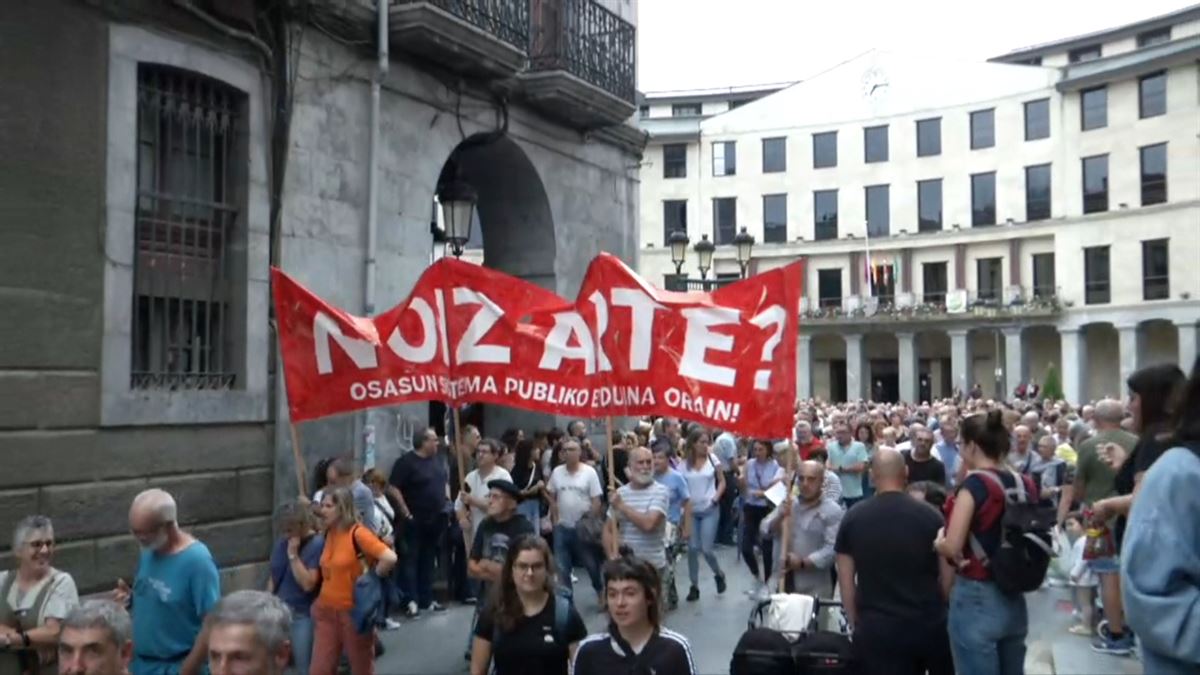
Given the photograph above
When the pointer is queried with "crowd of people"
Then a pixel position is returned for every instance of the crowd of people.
(903, 511)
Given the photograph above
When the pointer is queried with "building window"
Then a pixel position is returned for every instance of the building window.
(1093, 108)
(188, 161)
(724, 158)
(1097, 288)
(988, 275)
(686, 110)
(1088, 53)
(643, 111)
(1095, 184)
(735, 104)
(1037, 119)
(1154, 174)
(983, 129)
(929, 137)
(929, 205)
(1037, 192)
(883, 283)
(878, 210)
(983, 199)
(1031, 61)
(674, 218)
(829, 288)
(875, 141)
(1154, 37)
(825, 214)
(934, 283)
(1152, 95)
(1156, 271)
(1043, 276)
(724, 220)
(825, 153)
(774, 151)
(675, 160)
(774, 219)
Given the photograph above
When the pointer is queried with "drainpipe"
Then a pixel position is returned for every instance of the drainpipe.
(367, 431)
(373, 171)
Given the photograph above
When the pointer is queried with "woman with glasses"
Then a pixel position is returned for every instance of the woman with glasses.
(526, 628)
(34, 600)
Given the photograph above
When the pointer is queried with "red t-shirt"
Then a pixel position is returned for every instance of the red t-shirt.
(985, 522)
(807, 449)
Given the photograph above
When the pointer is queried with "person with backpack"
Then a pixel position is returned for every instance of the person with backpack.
(296, 574)
(528, 627)
(348, 545)
(986, 541)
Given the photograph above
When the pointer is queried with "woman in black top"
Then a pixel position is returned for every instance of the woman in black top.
(527, 476)
(636, 643)
(526, 628)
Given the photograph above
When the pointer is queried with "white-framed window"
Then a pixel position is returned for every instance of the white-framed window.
(186, 239)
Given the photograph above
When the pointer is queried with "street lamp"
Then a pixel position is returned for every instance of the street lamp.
(678, 242)
(745, 249)
(458, 205)
(704, 250)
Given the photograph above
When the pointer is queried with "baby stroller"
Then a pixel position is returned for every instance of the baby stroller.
(784, 638)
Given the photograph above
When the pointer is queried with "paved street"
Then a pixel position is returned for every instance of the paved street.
(433, 645)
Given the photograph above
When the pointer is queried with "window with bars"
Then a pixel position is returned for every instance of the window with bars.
(186, 211)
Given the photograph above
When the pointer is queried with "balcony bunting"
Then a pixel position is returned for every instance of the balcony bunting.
(468, 334)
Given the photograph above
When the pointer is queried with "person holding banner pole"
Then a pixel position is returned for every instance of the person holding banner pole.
(574, 490)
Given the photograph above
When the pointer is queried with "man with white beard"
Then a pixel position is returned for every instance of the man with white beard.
(637, 514)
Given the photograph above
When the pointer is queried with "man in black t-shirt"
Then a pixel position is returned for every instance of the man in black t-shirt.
(922, 465)
(892, 581)
(498, 530)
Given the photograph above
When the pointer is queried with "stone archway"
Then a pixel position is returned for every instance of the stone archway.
(517, 231)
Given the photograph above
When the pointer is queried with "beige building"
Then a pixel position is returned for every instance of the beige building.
(961, 222)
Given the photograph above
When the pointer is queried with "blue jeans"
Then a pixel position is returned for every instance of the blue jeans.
(703, 536)
(423, 537)
(987, 629)
(1159, 664)
(532, 510)
(302, 642)
(569, 551)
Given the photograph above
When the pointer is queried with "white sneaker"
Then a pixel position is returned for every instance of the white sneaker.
(391, 624)
(411, 610)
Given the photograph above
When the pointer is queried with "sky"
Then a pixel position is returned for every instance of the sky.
(693, 44)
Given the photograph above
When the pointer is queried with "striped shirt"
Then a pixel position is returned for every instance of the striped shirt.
(667, 653)
(649, 546)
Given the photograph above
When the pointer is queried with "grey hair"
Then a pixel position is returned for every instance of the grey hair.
(159, 502)
(1109, 410)
(27, 526)
(105, 615)
(271, 619)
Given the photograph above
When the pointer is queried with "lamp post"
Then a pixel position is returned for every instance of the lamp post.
(704, 251)
(679, 243)
(458, 204)
(745, 249)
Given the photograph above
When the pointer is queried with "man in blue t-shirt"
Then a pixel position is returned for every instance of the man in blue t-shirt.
(679, 515)
(848, 459)
(175, 587)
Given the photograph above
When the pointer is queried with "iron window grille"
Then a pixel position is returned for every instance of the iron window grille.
(186, 212)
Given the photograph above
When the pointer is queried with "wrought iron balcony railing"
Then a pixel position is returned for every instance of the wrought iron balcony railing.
(586, 40)
(680, 283)
(1038, 301)
(506, 19)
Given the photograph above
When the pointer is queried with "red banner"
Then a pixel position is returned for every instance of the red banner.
(471, 334)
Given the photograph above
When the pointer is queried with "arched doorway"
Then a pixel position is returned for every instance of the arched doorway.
(516, 229)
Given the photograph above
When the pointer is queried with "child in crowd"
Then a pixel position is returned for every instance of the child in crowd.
(1083, 581)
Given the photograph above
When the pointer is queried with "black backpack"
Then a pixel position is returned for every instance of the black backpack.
(1020, 564)
(762, 651)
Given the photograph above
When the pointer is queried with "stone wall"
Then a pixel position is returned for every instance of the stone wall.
(55, 458)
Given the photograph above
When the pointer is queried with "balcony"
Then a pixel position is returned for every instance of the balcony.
(481, 38)
(682, 284)
(1017, 304)
(582, 63)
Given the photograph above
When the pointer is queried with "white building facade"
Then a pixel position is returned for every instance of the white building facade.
(961, 223)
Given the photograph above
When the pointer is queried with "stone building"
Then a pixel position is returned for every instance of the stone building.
(962, 222)
(160, 156)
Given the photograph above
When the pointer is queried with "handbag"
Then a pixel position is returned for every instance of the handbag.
(590, 529)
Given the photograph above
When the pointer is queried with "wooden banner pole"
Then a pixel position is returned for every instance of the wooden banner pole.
(298, 458)
(612, 469)
(462, 474)
(786, 525)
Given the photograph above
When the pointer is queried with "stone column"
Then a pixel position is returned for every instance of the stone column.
(804, 367)
(1129, 345)
(1074, 355)
(855, 375)
(1187, 331)
(1014, 360)
(961, 361)
(907, 352)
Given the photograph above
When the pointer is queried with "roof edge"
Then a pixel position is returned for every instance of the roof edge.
(1162, 20)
